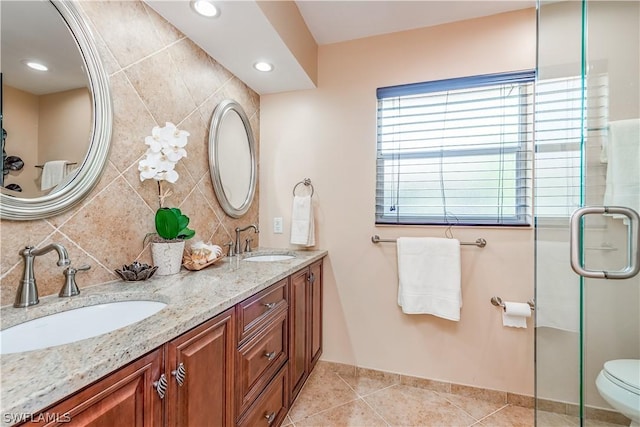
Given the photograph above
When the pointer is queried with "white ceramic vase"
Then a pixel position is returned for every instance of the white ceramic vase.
(167, 256)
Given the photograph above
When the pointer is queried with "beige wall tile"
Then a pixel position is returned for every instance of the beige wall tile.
(157, 81)
(107, 228)
(126, 28)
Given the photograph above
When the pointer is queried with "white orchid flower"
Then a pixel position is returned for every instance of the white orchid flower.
(166, 147)
(174, 153)
(178, 138)
(162, 162)
(169, 176)
(148, 169)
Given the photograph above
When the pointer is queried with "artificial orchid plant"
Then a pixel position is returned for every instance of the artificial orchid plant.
(166, 147)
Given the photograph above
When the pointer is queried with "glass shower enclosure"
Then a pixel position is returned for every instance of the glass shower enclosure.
(588, 84)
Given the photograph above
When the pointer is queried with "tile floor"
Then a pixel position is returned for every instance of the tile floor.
(342, 399)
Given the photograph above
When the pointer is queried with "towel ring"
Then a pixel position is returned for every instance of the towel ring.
(307, 183)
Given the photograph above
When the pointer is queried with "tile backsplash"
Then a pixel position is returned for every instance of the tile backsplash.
(156, 75)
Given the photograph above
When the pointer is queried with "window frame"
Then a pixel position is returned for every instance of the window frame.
(523, 148)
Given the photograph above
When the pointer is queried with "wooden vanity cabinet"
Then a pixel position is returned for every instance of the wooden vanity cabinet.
(199, 369)
(124, 398)
(244, 368)
(305, 325)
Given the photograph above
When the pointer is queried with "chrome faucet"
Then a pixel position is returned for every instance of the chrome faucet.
(238, 244)
(27, 290)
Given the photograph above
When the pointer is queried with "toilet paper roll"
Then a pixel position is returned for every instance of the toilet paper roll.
(515, 314)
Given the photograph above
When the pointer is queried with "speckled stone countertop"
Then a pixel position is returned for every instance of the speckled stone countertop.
(34, 380)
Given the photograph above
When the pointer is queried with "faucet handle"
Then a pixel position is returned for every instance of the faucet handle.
(230, 250)
(247, 247)
(70, 287)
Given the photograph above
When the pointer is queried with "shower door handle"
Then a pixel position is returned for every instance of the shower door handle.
(633, 241)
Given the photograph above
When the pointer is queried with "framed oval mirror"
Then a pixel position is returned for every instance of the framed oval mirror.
(57, 122)
(232, 158)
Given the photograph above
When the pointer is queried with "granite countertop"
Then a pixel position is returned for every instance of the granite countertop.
(34, 380)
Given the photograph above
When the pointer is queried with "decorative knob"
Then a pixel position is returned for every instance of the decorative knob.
(270, 417)
(161, 386)
(269, 305)
(180, 374)
(270, 356)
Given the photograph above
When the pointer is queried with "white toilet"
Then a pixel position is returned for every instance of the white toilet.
(619, 384)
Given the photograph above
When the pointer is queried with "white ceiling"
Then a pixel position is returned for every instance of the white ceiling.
(337, 21)
(238, 38)
(241, 35)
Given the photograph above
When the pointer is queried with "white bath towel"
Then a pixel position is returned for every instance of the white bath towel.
(302, 224)
(429, 276)
(623, 169)
(52, 173)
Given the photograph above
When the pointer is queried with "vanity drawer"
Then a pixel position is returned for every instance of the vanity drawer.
(259, 359)
(272, 405)
(257, 310)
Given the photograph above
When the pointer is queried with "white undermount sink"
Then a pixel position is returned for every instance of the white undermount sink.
(269, 257)
(75, 325)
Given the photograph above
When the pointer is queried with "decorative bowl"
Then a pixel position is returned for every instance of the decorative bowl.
(136, 271)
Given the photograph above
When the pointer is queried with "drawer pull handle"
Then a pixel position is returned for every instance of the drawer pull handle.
(161, 386)
(270, 356)
(269, 305)
(270, 417)
(180, 374)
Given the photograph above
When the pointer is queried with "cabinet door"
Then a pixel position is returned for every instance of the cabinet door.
(298, 327)
(315, 315)
(200, 374)
(124, 398)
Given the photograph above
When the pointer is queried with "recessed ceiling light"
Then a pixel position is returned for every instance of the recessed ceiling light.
(205, 8)
(35, 65)
(263, 66)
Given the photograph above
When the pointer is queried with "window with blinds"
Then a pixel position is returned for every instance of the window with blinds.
(456, 151)
(567, 129)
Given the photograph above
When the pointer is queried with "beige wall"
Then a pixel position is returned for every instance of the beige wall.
(329, 135)
(155, 75)
(64, 126)
(20, 120)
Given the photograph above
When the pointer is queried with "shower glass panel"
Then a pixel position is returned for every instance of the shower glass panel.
(588, 80)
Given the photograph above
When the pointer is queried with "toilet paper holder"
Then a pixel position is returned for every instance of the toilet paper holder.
(497, 301)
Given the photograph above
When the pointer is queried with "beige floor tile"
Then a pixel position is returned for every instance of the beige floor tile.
(553, 419)
(323, 390)
(401, 405)
(352, 414)
(596, 423)
(510, 416)
(287, 421)
(367, 381)
(477, 408)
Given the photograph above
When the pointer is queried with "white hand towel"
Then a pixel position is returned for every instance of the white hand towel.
(623, 169)
(302, 224)
(52, 173)
(429, 276)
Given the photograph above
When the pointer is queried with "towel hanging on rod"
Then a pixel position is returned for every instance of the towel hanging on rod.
(481, 243)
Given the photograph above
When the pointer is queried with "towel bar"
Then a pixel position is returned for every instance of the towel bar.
(42, 166)
(481, 243)
(497, 301)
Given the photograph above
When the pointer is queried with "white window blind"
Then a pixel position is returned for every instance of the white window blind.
(568, 128)
(456, 151)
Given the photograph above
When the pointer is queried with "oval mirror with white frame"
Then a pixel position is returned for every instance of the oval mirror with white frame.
(232, 158)
(70, 132)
